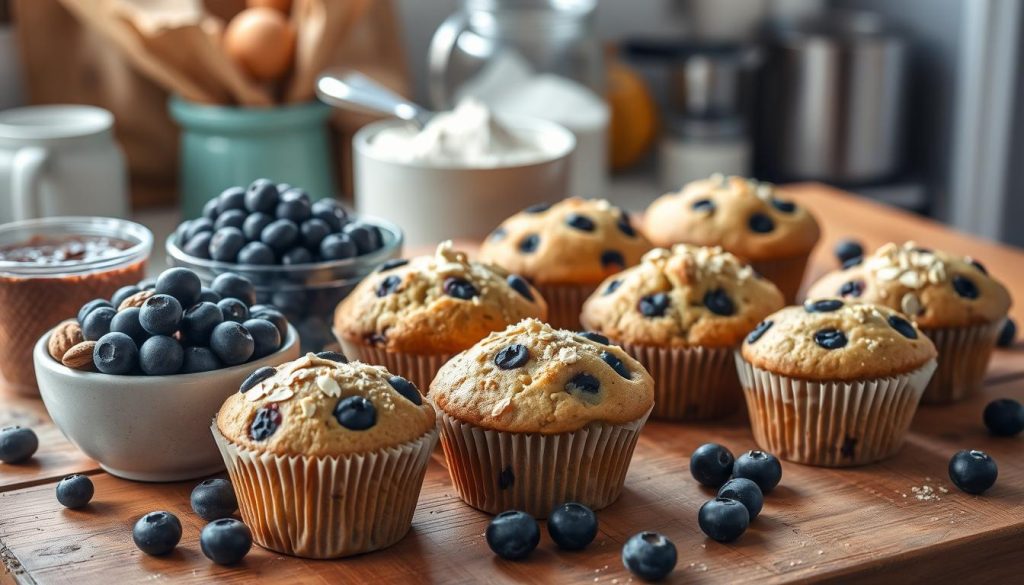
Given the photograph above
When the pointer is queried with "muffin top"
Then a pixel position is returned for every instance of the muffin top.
(532, 378)
(574, 241)
(832, 339)
(746, 217)
(321, 407)
(934, 288)
(435, 304)
(690, 296)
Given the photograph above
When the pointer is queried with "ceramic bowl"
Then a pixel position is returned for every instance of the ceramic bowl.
(145, 428)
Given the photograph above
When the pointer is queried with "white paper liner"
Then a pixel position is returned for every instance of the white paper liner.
(496, 471)
(420, 369)
(565, 303)
(832, 424)
(964, 353)
(328, 507)
(690, 383)
(785, 273)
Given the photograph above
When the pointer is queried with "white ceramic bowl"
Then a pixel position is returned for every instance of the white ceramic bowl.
(145, 428)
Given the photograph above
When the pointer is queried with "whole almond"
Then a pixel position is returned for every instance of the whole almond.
(79, 357)
(136, 299)
(64, 337)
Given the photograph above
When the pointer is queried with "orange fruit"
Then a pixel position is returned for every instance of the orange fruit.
(634, 116)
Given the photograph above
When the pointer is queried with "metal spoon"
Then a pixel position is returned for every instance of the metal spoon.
(356, 91)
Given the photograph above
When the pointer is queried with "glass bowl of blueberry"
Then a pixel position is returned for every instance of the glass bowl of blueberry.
(303, 256)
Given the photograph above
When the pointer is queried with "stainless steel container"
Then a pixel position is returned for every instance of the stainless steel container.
(833, 102)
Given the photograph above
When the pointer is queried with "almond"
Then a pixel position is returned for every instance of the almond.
(79, 357)
(136, 299)
(64, 337)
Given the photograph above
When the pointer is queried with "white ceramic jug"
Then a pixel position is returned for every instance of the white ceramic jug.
(60, 160)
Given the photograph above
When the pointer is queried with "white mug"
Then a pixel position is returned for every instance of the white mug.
(60, 160)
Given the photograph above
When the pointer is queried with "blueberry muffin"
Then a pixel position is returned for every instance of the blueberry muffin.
(951, 298)
(411, 316)
(565, 250)
(296, 436)
(748, 218)
(834, 382)
(532, 417)
(682, 313)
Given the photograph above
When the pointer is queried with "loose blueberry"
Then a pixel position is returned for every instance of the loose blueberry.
(616, 364)
(280, 234)
(595, 337)
(537, 208)
(199, 359)
(519, 284)
(1004, 417)
(180, 283)
(332, 356)
(355, 413)
(459, 288)
(649, 555)
(160, 315)
(847, 250)
(275, 317)
(261, 196)
(612, 287)
(157, 533)
(653, 305)
(583, 383)
(256, 377)
(296, 256)
(92, 306)
(213, 499)
(256, 254)
(760, 330)
(266, 337)
(406, 389)
(973, 471)
(852, 288)
(226, 244)
(17, 444)
(572, 526)
(762, 468)
(612, 258)
(580, 222)
(210, 210)
(75, 491)
(230, 198)
(760, 223)
(718, 302)
(704, 205)
(313, 231)
(338, 247)
(783, 205)
(965, 287)
(529, 244)
(711, 464)
(161, 355)
(225, 541)
(823, 305)
(97, 323)
(123, 293)
(745, 492)
(253, 225)
(512, 357)
(234, 286)
(234, 218)
(625, 226)
(233, 310)
(392, 264)
(513, 535)
(199, 246)
(723, 519)
(905, 328)
(295, 210)
(115, 353)
(232, 343)
(388, 285)
(830, 338)
(367, 237)
(1007, 334)
(265, 423)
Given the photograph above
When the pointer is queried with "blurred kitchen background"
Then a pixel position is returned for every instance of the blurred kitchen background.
(910, 102)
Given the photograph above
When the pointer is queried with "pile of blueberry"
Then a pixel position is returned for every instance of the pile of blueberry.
(741, 482)
(183, 327)
(267, 224)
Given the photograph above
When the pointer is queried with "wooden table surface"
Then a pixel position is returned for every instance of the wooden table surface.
(854, 525)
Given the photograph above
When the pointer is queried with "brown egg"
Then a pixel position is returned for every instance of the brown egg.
(284, 6)
(261, 42)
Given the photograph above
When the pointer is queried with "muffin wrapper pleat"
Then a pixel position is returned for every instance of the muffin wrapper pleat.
(328, 507)
(420, 369)
(565, 303)
(964, 353)
(690, 383)
(786, 273)
(832, 424)
(496, 471)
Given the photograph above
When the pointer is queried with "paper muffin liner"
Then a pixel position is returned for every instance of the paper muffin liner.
(690, 383)
(496, 471)
(565, 303)
(418, 368)
(831, 424)
(964, 353)
(328, 507)
(786, 273)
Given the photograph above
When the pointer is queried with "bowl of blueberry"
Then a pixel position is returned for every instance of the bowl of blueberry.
(134, 380)
(303, 256)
